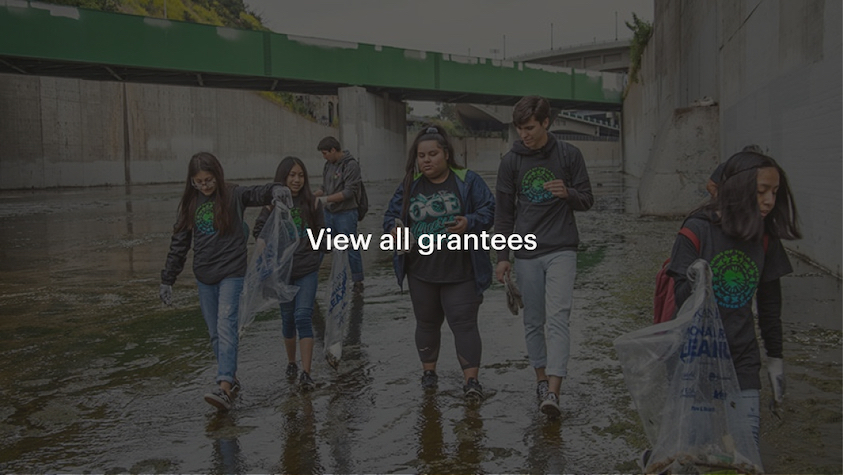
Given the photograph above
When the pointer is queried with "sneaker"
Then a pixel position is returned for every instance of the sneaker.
(429, 379)
(542, 388)
(292, 371)
(235, 388)
(472, 390)
(306, 382)
(219, 398)
(550, 405)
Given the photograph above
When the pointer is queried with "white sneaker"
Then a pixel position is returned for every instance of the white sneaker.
(219, 399)
(550, 405)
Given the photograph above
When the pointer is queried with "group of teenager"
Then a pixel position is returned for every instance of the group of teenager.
(210, 218)
(540, 183)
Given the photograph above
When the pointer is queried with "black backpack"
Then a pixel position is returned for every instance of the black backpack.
(362, 202)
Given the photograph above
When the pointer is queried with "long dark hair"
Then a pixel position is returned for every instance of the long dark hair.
(735, 208)
(223, 220)
(308, 209)
(428, 132)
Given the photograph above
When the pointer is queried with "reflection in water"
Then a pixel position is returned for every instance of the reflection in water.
(470, 438)
(349, 402)
(355, 322)
(300, 453)
(546, 449)
(130, 233)
(429, 431)
(434, 454)
(227, 456)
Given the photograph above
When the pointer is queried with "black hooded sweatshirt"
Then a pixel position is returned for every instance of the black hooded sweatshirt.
(525, 207)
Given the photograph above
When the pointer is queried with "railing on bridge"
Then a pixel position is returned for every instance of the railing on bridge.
(45, 39)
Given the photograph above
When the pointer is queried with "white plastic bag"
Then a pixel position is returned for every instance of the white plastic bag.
(339, 306)
(265, 284)
(682, 380)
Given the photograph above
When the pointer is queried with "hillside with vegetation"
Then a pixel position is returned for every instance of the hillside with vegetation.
(231, 13)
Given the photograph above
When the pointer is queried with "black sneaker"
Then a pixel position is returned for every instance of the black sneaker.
(292, 371)
(305, 382)
(472, 390)
(550, 405)
(236, 387)
(429, 380)
(219, 399)
(542, 388)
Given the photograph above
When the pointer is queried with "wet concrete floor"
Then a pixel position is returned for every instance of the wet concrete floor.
(99, 377)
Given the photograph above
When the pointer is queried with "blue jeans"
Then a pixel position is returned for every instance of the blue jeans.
(220, 303)
(547, 288)
(297, 315)
(345, 222)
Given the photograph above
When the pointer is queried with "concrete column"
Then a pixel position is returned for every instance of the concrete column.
(374, 129)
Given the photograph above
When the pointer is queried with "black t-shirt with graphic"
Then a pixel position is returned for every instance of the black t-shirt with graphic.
(431, 205)
(738, 268)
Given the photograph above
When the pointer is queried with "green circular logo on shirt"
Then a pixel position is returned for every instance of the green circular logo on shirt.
(734, 278)
(532, 185)
(204, 218)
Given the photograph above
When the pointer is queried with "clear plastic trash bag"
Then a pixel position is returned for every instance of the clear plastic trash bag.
(682, 380)
(339, 306)
(265, 284)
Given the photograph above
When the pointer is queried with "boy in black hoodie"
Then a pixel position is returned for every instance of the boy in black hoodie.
(540, 183)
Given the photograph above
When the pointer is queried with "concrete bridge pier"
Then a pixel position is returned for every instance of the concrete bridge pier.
(374, 129)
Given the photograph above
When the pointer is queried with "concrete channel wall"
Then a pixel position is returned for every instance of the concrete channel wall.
(71, 132)
(719, 75)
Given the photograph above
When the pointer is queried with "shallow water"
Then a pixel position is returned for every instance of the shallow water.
(100, 377)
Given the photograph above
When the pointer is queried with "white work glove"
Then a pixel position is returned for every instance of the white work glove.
(281, 194)
(775, 371)
(165, 293)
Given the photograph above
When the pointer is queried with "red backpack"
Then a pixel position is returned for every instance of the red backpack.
(664, 302)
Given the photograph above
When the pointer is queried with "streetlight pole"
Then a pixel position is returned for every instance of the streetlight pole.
(551, 35)
(504, 46)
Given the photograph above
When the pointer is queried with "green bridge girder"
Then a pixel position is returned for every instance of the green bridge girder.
(53, 40)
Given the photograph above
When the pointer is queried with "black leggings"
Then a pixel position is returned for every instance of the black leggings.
(459, 302)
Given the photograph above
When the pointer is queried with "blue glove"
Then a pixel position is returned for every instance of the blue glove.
(281, 194)
(775, 371)
(165, 293)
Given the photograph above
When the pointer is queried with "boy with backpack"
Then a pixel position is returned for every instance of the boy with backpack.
(541, 182)
(342, 195)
